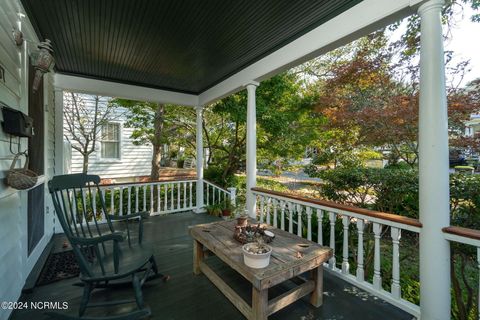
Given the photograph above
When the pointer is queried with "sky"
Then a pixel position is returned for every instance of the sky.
(463, 40)
(465, 44)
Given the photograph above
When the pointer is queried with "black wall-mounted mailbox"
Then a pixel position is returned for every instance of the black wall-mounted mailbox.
(16, 122)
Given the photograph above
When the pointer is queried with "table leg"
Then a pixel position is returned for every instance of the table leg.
(197, 256)
(316, 298)
(259, 304)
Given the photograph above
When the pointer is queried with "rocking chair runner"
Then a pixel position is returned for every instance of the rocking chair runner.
(102, 254)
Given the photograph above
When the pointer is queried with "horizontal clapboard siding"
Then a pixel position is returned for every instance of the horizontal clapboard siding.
(15, 263)
(135, 160)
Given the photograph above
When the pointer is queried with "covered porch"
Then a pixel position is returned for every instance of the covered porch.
(123, 61)
(187, 296)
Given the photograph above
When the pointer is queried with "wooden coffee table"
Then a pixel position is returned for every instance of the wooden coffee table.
(291, 257)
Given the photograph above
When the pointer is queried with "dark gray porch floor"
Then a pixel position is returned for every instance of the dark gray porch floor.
(187, 296)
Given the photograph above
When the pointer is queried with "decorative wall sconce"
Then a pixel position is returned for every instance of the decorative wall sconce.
(42, 61)
(17, 37)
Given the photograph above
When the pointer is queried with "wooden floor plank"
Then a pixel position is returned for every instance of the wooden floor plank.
(189, 297)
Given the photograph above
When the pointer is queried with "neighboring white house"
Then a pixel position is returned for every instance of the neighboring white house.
(472, 127)
(115, 156)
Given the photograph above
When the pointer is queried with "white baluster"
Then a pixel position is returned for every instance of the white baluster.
(165, 197)
(190, 199)
(262, 207)
(290, 216)
(145, 198)
(136, 198)
(360, 270)
(103, 195)
(94, 201)
(178, 195)
(208, 194)
(320, 226)
(282, 214)
(159, 197)
(213, 195)
(308, 211)
(84, 210)
(299, 220)
(120, 206)
(152, 210)
(345, 264)
(269, 203)
(332, 218)
(377, 277)
(396, 290)
(129, 201)
(172, 198)
(184, 195)
(275, 217)
(112, 202)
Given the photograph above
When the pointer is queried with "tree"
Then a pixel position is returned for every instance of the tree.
(462, 103)
(285, 124)
(157, 124)
(371, 95)
(84, 116)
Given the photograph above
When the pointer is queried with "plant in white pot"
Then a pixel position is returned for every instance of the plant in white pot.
(257, 254)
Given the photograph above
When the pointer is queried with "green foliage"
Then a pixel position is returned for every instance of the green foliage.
(286, 124)
(215, 174)
(214, 209)
(396, 191)
(387, 190)
(241, 185)
(465, 200)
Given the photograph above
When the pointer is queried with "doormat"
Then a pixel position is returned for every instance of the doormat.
(59, 266)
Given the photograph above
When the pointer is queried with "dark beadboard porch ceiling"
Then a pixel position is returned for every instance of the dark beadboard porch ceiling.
(185, 46)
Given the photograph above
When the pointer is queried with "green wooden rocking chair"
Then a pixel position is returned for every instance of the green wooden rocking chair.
(104, 257)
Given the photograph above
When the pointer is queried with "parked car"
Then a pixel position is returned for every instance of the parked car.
(456, 158)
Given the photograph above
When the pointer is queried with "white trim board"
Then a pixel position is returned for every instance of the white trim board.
(121, 90)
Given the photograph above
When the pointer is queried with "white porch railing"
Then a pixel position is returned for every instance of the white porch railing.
(469, 237)
(295, 215)
(214, 193)
(158, 197)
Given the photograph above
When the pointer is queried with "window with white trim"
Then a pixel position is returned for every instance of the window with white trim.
(110, 142)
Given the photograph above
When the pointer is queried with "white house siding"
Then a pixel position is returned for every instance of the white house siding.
(15, 265)
(135, 160)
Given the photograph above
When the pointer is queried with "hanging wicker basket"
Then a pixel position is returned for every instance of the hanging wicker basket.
(21, 178)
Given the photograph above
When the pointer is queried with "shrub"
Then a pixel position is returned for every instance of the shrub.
(214, 173)
(388, 190)
(241, 185)
(395, 190)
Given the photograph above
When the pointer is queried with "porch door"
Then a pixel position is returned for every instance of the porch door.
(36, 152)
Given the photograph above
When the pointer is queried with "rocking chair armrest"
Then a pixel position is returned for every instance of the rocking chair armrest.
(115, 236)
(141, 215)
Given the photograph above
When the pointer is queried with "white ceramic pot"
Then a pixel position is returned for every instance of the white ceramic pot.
(256, 261)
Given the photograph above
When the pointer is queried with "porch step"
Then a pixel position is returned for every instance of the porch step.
(37, 269)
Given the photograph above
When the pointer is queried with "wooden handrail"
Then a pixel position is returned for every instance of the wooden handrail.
(362, 211)
(463, 232)
(178, 178)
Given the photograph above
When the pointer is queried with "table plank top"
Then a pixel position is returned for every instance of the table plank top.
(291, 254)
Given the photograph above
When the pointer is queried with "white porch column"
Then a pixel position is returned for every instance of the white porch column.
(433, 167)
(251, 148)
(199, 166)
